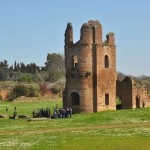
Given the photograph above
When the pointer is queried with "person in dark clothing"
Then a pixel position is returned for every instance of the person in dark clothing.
(143, 104)
(6, 109)
(34, 114)
(15, 113)
(70, 112)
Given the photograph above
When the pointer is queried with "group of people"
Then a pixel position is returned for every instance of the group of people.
(56, 113)
(41, 113)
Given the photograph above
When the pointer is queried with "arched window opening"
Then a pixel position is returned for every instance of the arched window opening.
(74, 61)
(106, 99)
(106, 62)
(75, 98)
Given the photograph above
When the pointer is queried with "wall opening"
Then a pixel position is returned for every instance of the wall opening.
(106, 61)
(75, 98)
(74, 61)
(137, 101)
(106, 99)
(118, 102)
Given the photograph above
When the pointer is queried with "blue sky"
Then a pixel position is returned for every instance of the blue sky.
(30, 29)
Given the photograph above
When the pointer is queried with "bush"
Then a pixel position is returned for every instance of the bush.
(56, 89)
(44, 89)
(25, 78)
(4, 73)
(32, 92)
(11, 96)
(20, 90)
(54, 76)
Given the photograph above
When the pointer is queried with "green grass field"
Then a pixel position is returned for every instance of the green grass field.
(107, 130)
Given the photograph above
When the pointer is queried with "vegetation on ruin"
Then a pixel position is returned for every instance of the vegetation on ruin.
(121, 129)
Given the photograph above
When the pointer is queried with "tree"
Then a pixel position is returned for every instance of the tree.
(55, 67)
(20, 90)
(4, 64)
(23, 67)
(4, 71)
(55, 62)
(4, 74)
(32, 68)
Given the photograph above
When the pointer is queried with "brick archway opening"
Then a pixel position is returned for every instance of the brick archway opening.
(75, 98)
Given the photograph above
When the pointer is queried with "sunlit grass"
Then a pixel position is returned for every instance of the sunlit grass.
(120, 129)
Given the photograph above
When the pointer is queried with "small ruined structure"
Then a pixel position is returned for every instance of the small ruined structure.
(90, 69)
(133, 93)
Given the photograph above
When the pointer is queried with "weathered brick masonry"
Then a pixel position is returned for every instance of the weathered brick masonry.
(132, 93)
(91, 73)
(90, 69)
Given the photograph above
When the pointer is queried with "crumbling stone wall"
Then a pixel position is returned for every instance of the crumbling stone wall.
(132, 93)
(90, 69)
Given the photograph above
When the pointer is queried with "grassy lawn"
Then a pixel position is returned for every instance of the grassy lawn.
(112, 130)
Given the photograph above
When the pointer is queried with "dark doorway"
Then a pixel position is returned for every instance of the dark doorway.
(75, 98)
(137, 101)
(106, 99)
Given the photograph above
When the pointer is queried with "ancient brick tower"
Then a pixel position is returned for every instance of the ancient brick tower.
(90, 70)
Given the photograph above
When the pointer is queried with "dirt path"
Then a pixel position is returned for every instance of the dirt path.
(147, 124)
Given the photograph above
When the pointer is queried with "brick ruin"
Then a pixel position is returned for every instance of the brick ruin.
(91, 72)
(90, 69)
(132, 93)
